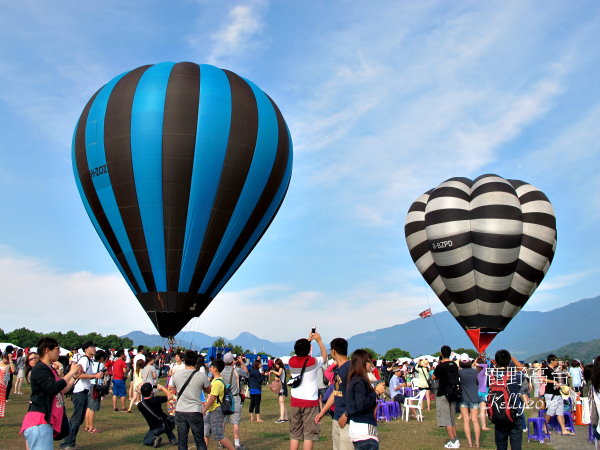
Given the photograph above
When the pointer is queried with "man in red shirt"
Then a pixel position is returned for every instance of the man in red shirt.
(119, 369)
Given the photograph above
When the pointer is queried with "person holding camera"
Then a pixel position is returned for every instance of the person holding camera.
(158, 422)
(80, 394)
(305, 394)
(95, 393)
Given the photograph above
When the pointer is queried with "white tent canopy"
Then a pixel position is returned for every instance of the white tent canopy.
(3, 346)
(427, 357)
(63, 351)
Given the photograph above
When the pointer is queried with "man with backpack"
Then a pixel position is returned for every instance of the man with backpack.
(158, 422)
(504, 404)
(234, 369)
(448, 394)
(214, 423)
(81, 390)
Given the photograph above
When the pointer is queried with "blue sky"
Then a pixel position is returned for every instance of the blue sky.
(382, 104)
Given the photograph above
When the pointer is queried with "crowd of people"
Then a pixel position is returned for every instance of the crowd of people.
(203, 397)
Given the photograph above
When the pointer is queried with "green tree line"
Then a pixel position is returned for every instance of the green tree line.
(25, 338)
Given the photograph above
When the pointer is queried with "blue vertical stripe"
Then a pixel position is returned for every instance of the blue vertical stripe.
(212, 135)
(147, 117)
(96, 157)
(260, 169)
(264, 223)
(91, 215)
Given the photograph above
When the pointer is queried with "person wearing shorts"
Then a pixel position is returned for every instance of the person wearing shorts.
(302, 424)
(118, 381)
(305, 397)
(469, 402)
(554, 401)
(446, 371)
(214, 420)
(234, 369)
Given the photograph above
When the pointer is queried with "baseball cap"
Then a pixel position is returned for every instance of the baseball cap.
(465, 358)
(228, 358)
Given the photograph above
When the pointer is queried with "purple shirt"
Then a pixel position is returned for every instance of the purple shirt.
(482, 378)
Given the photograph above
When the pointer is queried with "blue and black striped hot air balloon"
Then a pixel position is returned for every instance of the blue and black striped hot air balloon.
(483, 246)
(181, 168)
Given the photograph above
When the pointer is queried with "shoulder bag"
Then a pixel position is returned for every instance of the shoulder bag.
(168, 421)
(180, 393)
(297, 381)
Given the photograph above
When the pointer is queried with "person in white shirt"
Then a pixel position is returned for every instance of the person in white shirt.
(141, 355)
(80, 394)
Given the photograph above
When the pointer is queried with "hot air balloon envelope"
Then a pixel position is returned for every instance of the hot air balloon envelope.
(181, 168)
(483, 246)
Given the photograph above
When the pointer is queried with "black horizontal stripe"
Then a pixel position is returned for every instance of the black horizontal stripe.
(414, 227)
(494, 269)
(117, 145)
(494, 186)
(450, 242)
(417, 206)
(178, 143)
(538, 246)
(89, 191)
(533, 196)
(516, 183)
(496, 240)
(516, 298)
(446, 215)
(477, 292)
(484, 322)
(456, 270)
(466, 181)
(529, 273)
(449, 191)
(445, 298)
(419, 250)
(540, 218)
(496, 212)
(430, 274)
(462, 297)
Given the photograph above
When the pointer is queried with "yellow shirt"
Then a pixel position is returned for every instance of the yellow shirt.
(217, 388)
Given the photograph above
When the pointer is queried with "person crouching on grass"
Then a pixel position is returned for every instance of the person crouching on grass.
(214, 420)
(158, 422)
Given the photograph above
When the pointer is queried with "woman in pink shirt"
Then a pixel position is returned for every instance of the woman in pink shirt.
(46, 414)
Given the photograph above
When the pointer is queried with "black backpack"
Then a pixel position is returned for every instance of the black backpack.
(227, 407)
(501, 410)
(453, 389)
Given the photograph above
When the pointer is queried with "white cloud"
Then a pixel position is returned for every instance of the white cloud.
(561, 281)
(378, 129)
(237, 34)
(36, 296)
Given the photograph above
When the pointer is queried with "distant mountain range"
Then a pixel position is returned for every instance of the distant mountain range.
(196, 340)
(583, 351)
(529, 333)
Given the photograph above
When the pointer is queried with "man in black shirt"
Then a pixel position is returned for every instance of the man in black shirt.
(554, 402)
(158, 421)
(447, 374)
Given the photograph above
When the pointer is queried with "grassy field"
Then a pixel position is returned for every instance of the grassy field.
(126, 431)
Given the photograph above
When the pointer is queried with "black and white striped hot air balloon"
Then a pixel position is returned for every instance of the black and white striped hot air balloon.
(483, 246)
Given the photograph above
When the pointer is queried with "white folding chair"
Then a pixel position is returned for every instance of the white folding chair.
(414, 402)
